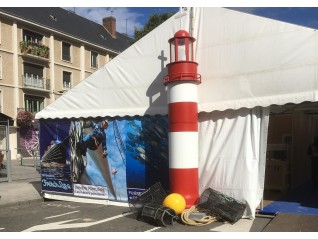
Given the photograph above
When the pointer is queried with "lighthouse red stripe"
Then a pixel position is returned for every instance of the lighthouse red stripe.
(185, 182)
(183, 117)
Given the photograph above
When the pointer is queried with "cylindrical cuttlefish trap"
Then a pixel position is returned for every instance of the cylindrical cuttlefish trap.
(153, 195)
(158, 215)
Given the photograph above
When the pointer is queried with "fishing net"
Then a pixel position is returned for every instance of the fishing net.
(155, 195)
(220, 205)
(158, 215)
(148, 207)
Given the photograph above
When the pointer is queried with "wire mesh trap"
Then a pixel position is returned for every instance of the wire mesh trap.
(222, 206)
(158, 215)
(155, 195)
(148, 207)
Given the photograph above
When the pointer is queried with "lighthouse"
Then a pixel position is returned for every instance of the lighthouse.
(182, 82)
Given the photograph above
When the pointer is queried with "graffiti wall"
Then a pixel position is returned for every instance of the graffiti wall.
(107, 158)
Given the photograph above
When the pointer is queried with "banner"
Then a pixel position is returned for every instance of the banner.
(90, 191)
(113, 158)
(147, 154)
(55, 156)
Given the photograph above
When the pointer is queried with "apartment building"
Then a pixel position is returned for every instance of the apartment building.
(46, 51)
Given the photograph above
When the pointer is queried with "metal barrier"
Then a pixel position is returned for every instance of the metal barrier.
(35, 155)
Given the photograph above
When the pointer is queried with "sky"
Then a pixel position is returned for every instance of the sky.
(129, 18)
(131, 14)
(304, 16)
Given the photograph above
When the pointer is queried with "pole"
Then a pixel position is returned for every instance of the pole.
(8, 152)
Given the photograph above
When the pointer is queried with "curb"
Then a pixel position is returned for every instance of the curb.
(21, 203)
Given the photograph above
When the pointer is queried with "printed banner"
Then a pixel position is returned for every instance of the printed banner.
(90, 191)
(147, 154)
(55, 156)
(133, 193)
(98, 155)
(123, 156)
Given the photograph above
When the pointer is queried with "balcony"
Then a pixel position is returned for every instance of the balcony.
(35, 82)
(35, 49)
(66, 85)
(94, 66)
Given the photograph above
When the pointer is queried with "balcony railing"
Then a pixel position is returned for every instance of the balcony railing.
(35, 82)
(66, 85)
(34, 48)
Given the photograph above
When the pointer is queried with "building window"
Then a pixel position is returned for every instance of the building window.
(32, 37)
(66, 51)
(31, 69)
(94, 59)
(66, 80)
(33, 104)
(33, 75)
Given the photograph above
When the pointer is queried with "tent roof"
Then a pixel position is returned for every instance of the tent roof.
(244, 61)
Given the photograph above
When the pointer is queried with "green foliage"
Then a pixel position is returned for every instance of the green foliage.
(154, 21)
(34, 48)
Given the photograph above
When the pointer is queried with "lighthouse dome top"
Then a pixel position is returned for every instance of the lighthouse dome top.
(181, 33)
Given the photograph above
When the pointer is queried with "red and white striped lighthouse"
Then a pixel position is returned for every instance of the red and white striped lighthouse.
(182, 81)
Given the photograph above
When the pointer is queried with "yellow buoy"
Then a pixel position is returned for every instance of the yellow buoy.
(176, 202)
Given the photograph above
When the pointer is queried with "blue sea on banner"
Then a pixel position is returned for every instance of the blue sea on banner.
(303, 200)
(147, 154)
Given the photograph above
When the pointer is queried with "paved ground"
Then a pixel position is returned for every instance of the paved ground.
(25, 189)
(63, 216)
(25, 185)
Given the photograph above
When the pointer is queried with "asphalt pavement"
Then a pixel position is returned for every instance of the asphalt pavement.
(25, 188)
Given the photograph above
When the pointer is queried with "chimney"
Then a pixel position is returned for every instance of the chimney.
(110, 24)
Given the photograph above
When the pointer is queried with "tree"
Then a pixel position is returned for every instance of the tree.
(154, 21)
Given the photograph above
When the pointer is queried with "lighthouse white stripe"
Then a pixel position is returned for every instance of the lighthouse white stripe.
(183, 150)
(182, 92)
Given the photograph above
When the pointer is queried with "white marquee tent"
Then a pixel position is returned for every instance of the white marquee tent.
(247, 64)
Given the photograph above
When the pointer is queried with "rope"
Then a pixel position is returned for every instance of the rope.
(196, 222)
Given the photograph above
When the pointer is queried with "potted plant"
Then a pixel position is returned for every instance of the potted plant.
(34, 48)
(24, 118)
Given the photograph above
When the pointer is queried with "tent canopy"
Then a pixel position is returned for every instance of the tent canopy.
(244, 60)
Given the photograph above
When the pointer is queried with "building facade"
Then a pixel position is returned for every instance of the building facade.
(44, 52)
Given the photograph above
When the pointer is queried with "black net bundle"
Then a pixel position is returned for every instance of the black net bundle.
(220, 205)
(155, 195)
(158, 215)
(148, 207)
